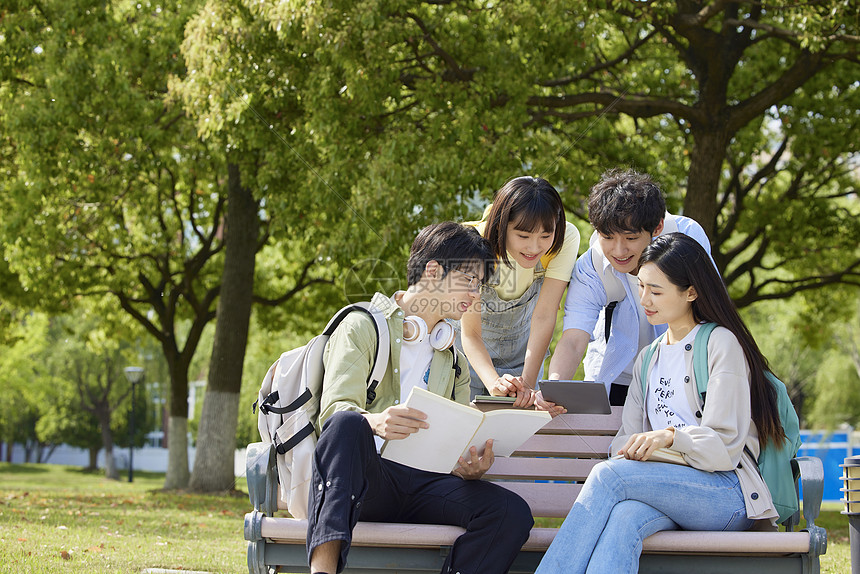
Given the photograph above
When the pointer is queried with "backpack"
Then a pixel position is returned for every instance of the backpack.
(615, 292)
(289, 402)
(774, 463)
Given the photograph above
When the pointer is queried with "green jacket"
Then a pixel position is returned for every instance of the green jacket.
(348, 358)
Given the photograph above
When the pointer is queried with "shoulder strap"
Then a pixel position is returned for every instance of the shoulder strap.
(456, 367)
(383, 345)
(611, 283)
(700, 358)
(646, 361)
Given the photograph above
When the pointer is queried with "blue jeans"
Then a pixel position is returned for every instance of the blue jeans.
(625, 501)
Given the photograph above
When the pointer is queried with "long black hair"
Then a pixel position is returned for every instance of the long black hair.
(686, 264)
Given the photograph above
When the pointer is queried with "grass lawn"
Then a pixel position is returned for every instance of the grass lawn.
(60, 519)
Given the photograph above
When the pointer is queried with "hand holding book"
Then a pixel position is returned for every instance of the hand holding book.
(652, 445)
(455, 428)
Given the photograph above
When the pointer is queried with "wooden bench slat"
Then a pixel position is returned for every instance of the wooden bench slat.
(541, 468)
(552, 500)
(575, 446)
(379, 534)
(549, 500)
(584, 424)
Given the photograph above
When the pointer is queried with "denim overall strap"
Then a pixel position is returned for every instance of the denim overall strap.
(505, 329)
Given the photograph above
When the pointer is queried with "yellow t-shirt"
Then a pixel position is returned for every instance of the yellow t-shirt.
(513, 282)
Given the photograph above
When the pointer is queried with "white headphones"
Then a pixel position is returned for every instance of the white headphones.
(415, 329)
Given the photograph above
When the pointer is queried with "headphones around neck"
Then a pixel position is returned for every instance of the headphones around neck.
(415, 330)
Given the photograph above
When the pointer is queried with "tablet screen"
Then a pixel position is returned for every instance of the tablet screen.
(581, 397)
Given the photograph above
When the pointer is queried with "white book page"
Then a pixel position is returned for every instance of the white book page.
(509, 429)
(435, 449)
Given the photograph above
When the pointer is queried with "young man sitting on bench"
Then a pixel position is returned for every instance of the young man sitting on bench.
(447, 264)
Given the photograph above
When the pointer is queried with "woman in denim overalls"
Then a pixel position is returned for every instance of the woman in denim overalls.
(506, 336)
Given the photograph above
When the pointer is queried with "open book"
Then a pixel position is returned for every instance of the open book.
(454, 428)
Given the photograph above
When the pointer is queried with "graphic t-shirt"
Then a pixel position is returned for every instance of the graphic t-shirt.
(666, 398)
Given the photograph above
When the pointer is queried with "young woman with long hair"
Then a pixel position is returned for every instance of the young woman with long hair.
(629, 497)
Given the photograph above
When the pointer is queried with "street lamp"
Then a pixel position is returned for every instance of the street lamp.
(134, 376)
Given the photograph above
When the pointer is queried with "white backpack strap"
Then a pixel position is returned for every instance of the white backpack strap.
(383, 344)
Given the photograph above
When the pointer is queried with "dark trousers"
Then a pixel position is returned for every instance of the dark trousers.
(350, 480)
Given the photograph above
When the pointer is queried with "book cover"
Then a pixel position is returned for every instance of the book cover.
(664, 455)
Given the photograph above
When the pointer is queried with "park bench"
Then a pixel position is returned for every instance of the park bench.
(547, 471)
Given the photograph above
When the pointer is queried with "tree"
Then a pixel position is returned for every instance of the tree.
(122, 196)
(412, 109)
(67, 424)
(25, 392)
(111, 187)
(87, 361)
(739, 107)
(254, 171)
(834, 396)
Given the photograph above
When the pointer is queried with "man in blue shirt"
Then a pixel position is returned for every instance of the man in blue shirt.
(603, 320)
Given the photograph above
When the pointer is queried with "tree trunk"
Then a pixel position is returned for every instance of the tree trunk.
(111, 471)
(214, 469)
(94, 458)
(177, 431)
(216, 439)
(177, 453)
(703, 181)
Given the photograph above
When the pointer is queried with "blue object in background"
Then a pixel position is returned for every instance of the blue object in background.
(832, 449)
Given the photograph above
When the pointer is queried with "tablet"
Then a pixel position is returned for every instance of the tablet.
(578, 397)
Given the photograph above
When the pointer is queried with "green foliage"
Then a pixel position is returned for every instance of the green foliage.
(836, 393)
(739, 110)
(25, 391)
(354, 124)
(113, 191)
(66, 423)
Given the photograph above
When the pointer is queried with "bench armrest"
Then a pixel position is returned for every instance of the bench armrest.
(811, 472)
(262, 476)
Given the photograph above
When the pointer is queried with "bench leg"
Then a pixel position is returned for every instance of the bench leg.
(817, 547)
(256, 557)
(256, 544)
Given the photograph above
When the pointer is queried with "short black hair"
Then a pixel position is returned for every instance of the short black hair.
(625, 200)
(532, 204)
(453, 246)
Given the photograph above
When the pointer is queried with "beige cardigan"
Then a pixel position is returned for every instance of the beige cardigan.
(726, 426)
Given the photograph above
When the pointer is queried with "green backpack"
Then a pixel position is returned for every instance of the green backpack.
(774, 463)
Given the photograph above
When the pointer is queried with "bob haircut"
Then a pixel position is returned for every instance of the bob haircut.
(625, 201)
(531, 204)
(453, 246)
(686, 264)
